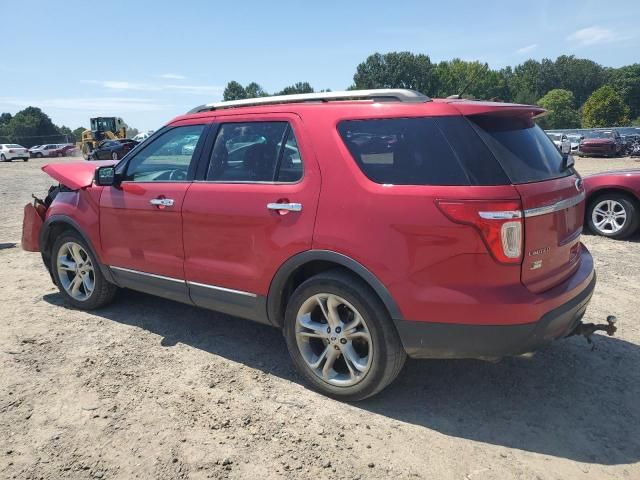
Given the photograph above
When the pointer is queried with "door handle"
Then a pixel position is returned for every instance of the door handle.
(290, 207)
(162, 202)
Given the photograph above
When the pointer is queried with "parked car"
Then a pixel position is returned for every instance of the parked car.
(574, 139)
(112, 149)
(142, 136)
(613, 203)
(601, 142)
(561, 141)
(48, 150)
(61, 150)
(10, 151)
(366, 230)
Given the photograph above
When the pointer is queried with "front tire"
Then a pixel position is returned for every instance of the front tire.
(613, 215)
(341, 338)
(38, 155)
(77, 273)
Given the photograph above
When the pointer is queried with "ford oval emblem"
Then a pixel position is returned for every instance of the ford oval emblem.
(579, 184)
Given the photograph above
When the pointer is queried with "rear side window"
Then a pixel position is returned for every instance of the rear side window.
(255, 152)
(421, 151)
(525, 152)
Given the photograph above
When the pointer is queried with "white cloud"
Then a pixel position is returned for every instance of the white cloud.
(104, 104)
(528, 48)
(594, 35)
(172, 76)
(148, 87)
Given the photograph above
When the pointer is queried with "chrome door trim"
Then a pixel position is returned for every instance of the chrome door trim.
(187, 282)
(221, 289)
(555, 207)
(138, 272)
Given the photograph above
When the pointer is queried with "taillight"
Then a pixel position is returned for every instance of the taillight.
(498, 222)
(10, 150)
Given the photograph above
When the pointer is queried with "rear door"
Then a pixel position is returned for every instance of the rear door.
(552, 196)
(252, 209)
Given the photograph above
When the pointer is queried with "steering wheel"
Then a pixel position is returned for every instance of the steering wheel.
(178, 175)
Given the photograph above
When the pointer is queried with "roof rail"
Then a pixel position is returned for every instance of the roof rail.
(379, 95)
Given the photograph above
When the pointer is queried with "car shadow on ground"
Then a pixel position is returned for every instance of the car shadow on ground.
(568, 401)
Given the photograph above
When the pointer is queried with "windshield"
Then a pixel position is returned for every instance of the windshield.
(523, 149)
(599, 134)
(554, 136)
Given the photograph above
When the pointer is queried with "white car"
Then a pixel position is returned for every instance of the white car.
(9, 151)
(574, 138)
(43, 150)
(561, 141)
(142, 136)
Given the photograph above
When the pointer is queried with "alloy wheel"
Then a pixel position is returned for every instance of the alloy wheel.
(75, 271)
(609, 216)
(333, 340)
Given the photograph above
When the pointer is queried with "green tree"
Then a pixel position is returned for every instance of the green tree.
(299, 87)
(561, 112)
(30, 127)
(626, 80)
(253, 90)
(531, 80)
(77, 133)
(234, 91)
(475, 78)
(396, 70)
(578, 75)
(605, 108)
(5, 118)
(132, 132)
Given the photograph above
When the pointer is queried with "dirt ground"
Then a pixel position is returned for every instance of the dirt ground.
(148, 388)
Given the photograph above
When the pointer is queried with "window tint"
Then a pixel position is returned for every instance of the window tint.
(290, 167)
(421, 151)
(255, 152)
(525, 152)
(167, 158)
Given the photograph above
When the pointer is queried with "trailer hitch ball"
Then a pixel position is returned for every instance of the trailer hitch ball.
(588, 329)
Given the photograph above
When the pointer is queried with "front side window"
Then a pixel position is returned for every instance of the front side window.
(255, 152)
(167, 158)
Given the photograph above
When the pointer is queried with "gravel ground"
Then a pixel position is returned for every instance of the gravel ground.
(148, 388)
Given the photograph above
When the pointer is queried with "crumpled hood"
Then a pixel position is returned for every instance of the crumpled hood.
(75, 175)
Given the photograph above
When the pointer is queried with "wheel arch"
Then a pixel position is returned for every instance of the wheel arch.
(617, 189)
(56, 225)
(306, 264)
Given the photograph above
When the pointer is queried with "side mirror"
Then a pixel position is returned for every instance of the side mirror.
(105, 176)
(567, 160)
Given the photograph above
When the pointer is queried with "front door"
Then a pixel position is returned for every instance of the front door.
(140, 218)
(254, 209)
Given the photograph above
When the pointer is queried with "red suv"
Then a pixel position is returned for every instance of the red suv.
(367, 225)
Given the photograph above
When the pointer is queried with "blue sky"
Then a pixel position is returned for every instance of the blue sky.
(149, 61)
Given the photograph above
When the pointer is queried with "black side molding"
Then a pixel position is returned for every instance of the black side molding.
(278, 284)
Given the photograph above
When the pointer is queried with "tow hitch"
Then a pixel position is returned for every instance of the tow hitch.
(588, 329)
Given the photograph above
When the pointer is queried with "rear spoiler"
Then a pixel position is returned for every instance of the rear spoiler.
(466, 107)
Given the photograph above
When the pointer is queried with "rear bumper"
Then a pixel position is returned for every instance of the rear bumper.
(447, 340)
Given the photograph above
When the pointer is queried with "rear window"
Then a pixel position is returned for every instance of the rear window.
(523, 149)
(421, 151)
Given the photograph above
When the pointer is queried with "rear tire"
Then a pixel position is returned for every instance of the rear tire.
(77, 273)
(613, 215)
(3, 158)
(371, 343)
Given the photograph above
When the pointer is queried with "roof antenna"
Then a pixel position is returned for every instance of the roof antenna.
(468, 84)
